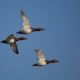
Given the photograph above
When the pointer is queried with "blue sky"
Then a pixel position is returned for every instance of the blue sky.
(60, 40)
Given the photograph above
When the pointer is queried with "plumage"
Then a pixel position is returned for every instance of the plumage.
(25, 20)
(11, 40)
(14, 47)
(42, 60)
(26, 26)
(40, 55)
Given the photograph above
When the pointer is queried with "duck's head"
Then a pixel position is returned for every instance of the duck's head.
(54, 61)
(40, 29)
(22, 38)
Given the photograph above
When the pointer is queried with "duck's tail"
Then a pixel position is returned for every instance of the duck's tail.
(4, 41)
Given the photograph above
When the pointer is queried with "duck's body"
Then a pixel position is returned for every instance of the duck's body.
(42, 60)
(27, 29)
(40, 64)
(11, 40)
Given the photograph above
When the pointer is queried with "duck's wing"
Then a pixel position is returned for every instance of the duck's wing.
(10, 36)
(14, 47)
(40, 55)
(25, 20)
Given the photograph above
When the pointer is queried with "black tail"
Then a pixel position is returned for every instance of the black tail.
(34, 65)
(19, 32)
(4, 41)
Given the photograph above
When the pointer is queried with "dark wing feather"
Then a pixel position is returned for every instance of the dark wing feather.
(10, 36)
(14, 47)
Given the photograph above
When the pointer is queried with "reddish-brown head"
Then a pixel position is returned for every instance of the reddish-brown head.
(54, 61)
(40, 29)
(22, 38)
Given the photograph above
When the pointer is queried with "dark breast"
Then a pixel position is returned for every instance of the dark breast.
(47, 61)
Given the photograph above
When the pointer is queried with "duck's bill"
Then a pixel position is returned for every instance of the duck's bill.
(43, 29)
(57, 61)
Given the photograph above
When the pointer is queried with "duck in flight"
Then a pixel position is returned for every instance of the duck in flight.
(42, 60)
(26, 26)
(11, 40)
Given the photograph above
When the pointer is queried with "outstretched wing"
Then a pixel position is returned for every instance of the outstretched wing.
(25, 20)
(14, 47)
(10, 36)
(40, 55)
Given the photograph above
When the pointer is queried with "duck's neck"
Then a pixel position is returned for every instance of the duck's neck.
(17, 39)
(36, 29)
(49, 61)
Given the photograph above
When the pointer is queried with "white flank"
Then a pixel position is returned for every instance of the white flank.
(41, 63)
(28, 30)
(11, 41)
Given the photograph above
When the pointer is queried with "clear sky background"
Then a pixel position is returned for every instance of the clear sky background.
(60, 40)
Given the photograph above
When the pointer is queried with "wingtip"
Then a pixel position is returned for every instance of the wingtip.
(11, 34)
(35, 49)
(17, 53)
(21, 11)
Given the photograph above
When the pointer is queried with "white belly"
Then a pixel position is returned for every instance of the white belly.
(28, 31)
(11, 41)
(41, 63)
